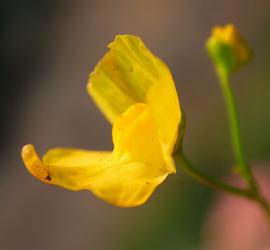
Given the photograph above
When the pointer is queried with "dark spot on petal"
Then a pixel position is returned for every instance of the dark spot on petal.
(48, 177)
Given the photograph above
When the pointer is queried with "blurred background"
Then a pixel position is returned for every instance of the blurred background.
(48, 48)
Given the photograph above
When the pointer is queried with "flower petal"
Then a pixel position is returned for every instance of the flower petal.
(123, 184)
(123, 76)
(126, 177)
(129, 73)
(64, 167)
(34, 165)
(135, 135)
(164, 106)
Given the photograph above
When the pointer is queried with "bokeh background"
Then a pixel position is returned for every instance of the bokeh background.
(48, 49)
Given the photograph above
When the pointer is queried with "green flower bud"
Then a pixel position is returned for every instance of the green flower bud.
(227, 49)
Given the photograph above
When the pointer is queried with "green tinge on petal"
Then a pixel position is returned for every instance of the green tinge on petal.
(129, 73)
(123, 76)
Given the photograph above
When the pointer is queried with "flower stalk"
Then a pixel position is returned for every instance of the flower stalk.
(237, 146)
(186, 166)
(249, 193)
(234, 126)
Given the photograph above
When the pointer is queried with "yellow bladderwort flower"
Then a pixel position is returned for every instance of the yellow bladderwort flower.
(135, 91)
(227, 48)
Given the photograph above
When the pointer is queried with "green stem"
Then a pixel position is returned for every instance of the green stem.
(235, 131)
(182, 161)
(185, 165)
(243, 166)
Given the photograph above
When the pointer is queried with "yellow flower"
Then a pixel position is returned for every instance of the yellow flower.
(227, 48)
(135, 91)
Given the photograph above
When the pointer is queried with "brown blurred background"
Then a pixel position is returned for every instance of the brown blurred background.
(48, 49)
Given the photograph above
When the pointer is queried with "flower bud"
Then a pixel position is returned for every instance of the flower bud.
(227, 49)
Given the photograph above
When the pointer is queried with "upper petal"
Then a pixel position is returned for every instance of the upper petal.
(129, 73)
